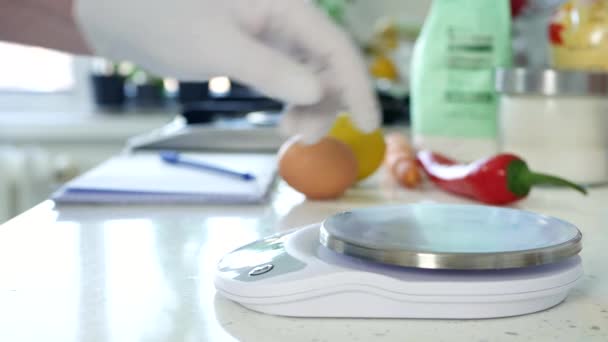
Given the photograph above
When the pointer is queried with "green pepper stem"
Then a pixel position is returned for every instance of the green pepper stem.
(534, 178)
(521, 179)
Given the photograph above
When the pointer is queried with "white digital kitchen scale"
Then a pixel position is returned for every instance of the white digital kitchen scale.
(409, 261)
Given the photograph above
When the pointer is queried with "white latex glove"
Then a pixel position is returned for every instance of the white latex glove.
(286, 49)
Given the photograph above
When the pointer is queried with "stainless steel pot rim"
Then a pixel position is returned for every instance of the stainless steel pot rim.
(550, 82)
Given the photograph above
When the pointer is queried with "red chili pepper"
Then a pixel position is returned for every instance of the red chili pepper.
(517, 6)
(555, 33)
(501, 179)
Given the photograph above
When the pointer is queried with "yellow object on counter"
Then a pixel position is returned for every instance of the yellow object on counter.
(578, 35)
(387, 35)
(383, 67)
(368, 148)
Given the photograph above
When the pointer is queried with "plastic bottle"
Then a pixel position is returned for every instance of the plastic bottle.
(578, 35)
(454, 105)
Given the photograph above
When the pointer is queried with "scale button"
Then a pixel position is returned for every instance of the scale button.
(261, 269)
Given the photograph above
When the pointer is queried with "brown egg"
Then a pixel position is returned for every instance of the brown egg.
(320, 171)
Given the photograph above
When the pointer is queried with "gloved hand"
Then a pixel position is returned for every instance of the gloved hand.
(286, 49)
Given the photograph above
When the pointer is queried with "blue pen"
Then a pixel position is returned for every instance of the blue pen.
(173, 157)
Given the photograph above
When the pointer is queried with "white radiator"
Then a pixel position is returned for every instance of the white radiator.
(28, 176)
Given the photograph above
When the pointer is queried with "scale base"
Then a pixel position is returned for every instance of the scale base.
(365, 305)
(294, 275)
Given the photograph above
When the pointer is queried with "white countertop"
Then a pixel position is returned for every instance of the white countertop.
(144, 273)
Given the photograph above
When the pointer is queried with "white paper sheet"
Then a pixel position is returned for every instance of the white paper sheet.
(145, 178)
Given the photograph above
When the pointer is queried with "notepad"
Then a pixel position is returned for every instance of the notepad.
(144, 178)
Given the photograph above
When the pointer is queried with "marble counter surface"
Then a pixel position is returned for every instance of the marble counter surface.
(145, 273)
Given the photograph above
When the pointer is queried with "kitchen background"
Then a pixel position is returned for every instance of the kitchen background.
(60, 115)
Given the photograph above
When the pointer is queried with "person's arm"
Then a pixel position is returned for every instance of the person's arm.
(286, 49)
(43, 23)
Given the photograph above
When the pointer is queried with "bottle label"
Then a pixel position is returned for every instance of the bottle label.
(578, 35)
